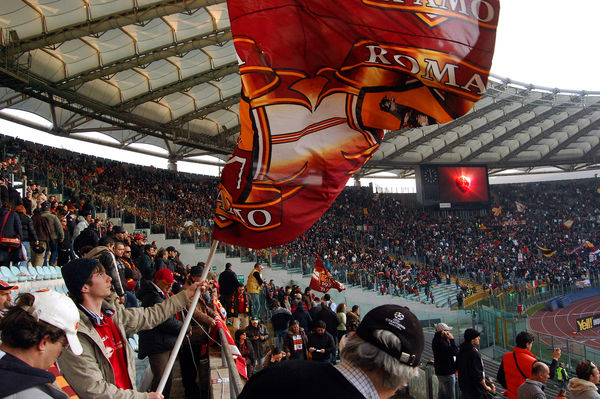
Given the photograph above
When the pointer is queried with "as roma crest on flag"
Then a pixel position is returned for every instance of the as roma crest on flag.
(322, 280)
(321, 83)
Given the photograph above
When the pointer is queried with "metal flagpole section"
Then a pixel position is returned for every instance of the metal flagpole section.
(235, 383)
(186, 323)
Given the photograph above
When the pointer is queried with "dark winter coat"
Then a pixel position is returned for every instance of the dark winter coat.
(17, 376)
(280, 317)
(329, 317)
(321, 341)
(28, 229)
(228, 283)
(444, 351)
(470, 370)
(12, 229)
(303, 317)
(161, 338)
(42, 227)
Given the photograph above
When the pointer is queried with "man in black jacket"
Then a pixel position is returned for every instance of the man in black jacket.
(321, 344)
(444, 351)
(228, 284)
(471, 376)
(158, 342)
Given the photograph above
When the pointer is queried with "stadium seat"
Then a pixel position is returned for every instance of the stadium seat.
(56, 271)
(15, 274)
(7, 275)
(22, 276)
(50, 272)
(25, 271)
(33, 271)
(43, 273)
(134, 342)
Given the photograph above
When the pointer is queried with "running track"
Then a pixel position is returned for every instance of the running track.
(561, 323)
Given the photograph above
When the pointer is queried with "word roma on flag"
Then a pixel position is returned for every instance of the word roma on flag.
(322, 81)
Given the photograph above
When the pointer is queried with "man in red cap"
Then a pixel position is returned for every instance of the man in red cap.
(137, 247)
(5, 297)
(158, 342)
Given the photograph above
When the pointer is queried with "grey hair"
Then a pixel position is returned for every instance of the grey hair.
(368, 357)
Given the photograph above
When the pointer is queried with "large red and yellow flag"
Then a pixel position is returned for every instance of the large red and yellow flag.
(321, 81)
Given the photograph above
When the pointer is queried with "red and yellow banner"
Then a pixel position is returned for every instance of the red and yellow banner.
(321, 82)
(322, 280)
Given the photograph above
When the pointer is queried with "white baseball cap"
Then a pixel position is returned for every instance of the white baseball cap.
(443, 327)
(58, 310)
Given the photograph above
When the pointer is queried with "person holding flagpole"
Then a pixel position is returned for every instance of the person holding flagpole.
(106, 367)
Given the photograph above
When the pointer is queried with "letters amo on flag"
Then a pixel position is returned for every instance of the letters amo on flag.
(321, 82)
(322, 280)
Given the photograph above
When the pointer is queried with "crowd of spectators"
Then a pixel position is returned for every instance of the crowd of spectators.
(537, 235)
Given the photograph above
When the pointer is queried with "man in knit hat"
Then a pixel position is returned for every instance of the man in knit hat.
(106, 367)
(378, 360)
(471, 375)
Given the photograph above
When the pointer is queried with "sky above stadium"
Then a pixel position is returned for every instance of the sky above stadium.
(549, 43)
(552, 43)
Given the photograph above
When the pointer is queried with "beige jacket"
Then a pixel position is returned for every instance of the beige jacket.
(582, 389)
(91, 374)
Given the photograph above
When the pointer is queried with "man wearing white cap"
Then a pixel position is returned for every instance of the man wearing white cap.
(444, 355)
(34, 332)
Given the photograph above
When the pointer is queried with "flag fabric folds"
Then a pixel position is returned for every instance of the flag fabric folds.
(591, 247)
(321, 81)
(568, 223)
(322, 280)
(520, 207)
(547, 252)
(240, 362)
(497, 210)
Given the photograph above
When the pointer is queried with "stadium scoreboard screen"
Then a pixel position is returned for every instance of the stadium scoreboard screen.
(453, 186)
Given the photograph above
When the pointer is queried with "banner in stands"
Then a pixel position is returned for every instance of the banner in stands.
(322, 280)
(321, 81)
(588, 323)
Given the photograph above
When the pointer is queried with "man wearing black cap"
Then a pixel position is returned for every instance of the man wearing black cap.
(377, 360)
(106, 368)
(119, 233)
(471, 376)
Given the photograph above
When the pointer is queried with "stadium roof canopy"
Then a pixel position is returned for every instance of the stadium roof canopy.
(164, 73)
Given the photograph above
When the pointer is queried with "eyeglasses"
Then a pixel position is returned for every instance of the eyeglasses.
(127, 252)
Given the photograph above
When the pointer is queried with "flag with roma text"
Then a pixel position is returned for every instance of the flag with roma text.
(322, 280)
(321, 83)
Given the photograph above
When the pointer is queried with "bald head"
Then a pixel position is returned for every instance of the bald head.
(540, 372)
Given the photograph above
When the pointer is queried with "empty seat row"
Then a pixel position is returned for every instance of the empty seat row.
(16, 274)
